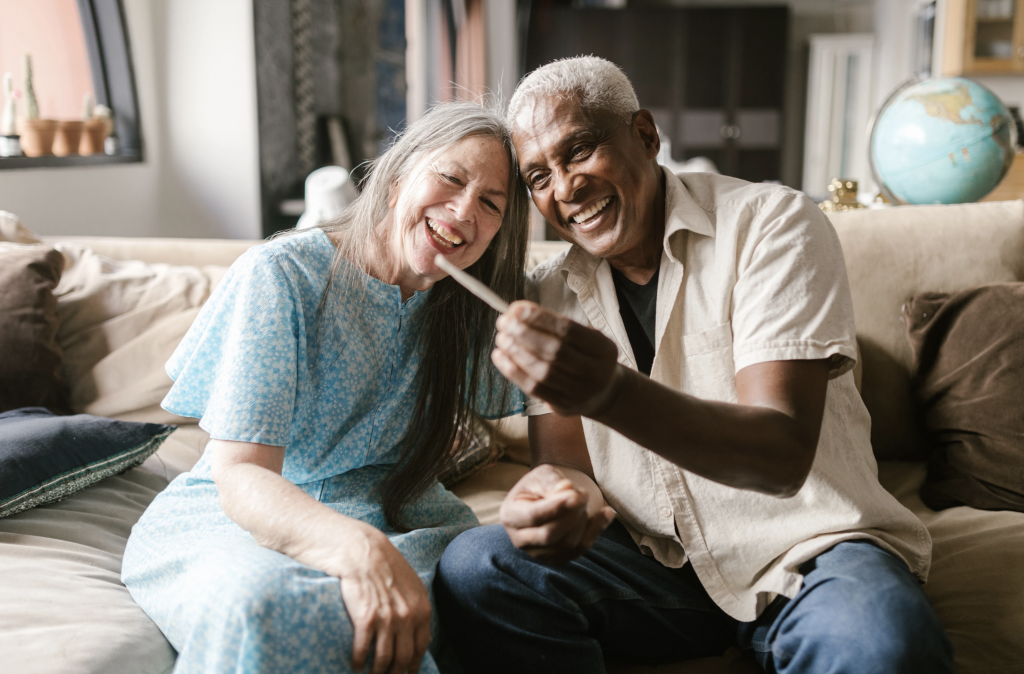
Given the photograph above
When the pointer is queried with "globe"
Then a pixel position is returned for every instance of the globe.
(942, 141)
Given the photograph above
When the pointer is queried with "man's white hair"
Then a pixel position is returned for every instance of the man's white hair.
(596, 84)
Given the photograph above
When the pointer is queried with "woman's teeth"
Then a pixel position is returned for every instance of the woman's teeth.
(442, 236)
(592, 211)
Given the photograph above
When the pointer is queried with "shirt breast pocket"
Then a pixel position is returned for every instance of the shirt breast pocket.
(707, 367)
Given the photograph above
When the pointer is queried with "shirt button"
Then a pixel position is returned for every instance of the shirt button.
(666, 513)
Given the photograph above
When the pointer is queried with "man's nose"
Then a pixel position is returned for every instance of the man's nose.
(567, 184)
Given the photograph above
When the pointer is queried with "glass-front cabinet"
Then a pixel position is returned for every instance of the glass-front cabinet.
(993, 37)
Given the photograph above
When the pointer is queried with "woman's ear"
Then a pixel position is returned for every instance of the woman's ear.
(394, 193)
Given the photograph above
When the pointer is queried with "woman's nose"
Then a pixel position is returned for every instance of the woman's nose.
(461, 206)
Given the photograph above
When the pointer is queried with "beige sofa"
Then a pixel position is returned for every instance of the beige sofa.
(63, 608)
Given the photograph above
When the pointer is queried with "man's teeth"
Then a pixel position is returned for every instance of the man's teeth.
(449, 237)
(591, 212)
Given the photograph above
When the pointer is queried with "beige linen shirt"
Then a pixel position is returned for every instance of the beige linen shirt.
(749, 273)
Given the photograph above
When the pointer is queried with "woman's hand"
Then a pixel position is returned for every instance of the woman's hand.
(386, 602)
(571, 367)
(385, 599)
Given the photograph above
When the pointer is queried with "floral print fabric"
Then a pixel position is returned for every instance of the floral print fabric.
(253, 370)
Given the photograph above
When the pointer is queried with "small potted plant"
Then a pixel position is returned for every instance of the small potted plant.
(10, 143)
(36, 134)
(69, 131)
(97, 127)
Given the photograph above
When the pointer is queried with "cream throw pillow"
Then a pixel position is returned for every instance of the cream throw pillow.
(119, 323)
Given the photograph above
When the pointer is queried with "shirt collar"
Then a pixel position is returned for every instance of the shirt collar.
(681, 213)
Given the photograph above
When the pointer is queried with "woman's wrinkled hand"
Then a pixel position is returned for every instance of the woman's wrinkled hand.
(386, 602)
(571, 367)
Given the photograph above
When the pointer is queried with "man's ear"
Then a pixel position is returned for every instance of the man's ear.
(643, 124)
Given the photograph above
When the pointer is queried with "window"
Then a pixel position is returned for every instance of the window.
(79, 48)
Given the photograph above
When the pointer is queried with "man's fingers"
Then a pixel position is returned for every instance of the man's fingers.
(538, 318)
(595, 525)
(581, 337)
(511, 371)
(522, 513)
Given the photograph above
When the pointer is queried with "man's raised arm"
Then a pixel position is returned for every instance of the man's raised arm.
(765, 443)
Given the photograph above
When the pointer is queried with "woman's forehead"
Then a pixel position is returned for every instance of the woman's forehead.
(478, 156)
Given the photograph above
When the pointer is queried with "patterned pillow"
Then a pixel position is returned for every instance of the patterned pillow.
(45, 457)
(477, 449)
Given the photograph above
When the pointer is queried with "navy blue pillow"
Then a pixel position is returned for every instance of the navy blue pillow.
(45, 457)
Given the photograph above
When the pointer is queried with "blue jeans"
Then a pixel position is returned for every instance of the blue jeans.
(859, 610)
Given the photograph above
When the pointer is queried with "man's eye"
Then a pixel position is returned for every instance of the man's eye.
(580, 151)
(450, 178)
(537, 181)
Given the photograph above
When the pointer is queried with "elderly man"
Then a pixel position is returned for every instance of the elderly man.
(696, 345)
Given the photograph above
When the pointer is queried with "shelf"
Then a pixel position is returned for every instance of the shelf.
(71, 160)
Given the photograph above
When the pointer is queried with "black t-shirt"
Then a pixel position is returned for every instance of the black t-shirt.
(638, 306)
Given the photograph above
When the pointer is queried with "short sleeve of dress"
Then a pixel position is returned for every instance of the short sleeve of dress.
(792, 298)
(489, 390)
(235, 369)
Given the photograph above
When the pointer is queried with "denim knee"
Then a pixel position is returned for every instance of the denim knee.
(467, 566)
(861, 611)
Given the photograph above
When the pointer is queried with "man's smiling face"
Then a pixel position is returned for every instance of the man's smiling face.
(592, 177)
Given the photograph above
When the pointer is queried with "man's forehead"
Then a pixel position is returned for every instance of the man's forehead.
(546, 121)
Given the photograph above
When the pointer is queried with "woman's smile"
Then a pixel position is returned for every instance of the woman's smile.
(442, 234)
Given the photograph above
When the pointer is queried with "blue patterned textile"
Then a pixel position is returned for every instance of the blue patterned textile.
(251, 368)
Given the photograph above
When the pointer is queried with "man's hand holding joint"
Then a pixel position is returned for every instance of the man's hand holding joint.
(571, 367)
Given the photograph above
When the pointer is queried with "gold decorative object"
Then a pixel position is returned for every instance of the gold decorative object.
(843, 196)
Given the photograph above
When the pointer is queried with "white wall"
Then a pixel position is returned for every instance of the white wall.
(196, 82)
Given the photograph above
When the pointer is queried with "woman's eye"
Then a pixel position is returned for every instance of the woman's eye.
(491, 205)
(450, 178)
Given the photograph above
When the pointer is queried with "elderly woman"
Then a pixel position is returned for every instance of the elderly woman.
(332, 369)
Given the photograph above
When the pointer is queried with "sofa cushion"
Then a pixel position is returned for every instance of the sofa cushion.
(62, 605)
(30, 365)
(893, 254)
(45, 458)
(12, 230)
(968, 377)
(119, 323)
(975, 582)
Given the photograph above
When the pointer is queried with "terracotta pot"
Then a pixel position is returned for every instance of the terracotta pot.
(96, 130)
(69, 134)
(37, 136)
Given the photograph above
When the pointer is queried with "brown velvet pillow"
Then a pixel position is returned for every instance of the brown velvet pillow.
(30, 357)
(969, 381)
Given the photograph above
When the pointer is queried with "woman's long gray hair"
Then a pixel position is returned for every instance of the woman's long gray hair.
(458, 337)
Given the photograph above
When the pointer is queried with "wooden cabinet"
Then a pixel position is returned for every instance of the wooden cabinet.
(983, 37)
(713, 78)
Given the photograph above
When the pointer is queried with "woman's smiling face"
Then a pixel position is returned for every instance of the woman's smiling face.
(452, 203)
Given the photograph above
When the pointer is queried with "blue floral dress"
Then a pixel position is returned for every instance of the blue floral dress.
(252, 369)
